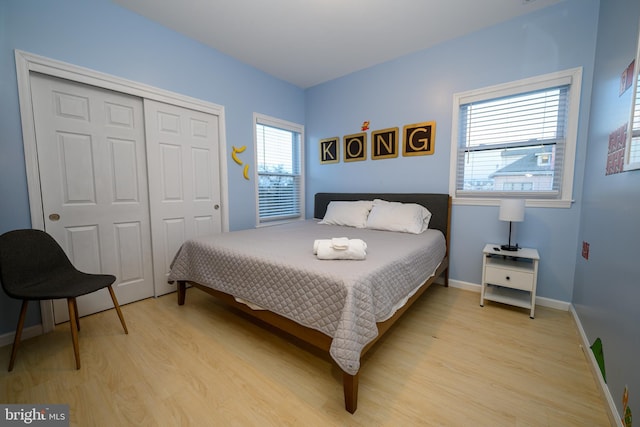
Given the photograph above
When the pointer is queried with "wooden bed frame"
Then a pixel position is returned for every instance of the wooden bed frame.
(440, 207)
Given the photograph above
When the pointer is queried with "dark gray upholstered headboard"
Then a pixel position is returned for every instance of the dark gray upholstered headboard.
(438, 204)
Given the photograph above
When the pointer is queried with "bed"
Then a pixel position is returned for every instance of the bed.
(341, 307)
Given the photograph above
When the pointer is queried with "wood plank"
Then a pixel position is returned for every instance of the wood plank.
(447, 362)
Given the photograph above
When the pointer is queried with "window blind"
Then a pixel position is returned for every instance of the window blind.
(279, 173)
(634, 149)
(513, 145)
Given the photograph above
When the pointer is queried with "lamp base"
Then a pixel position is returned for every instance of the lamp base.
(510, 248)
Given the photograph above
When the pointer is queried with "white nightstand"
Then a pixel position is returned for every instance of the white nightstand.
(510, 277)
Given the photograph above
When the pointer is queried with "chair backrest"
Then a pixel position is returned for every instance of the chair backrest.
(28, 256)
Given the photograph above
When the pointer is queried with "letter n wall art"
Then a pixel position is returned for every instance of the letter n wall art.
(384, 144)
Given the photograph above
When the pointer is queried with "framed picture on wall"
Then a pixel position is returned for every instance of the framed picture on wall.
(355, 147)
(384, 144)
(330, 150)
(419, 139)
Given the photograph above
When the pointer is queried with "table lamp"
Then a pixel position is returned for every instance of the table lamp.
(511, 210)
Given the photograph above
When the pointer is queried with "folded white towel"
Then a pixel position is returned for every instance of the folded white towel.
(356, 250)
(340, 243)
(316, 243)
(337, 243)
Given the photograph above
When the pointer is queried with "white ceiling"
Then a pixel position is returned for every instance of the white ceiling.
(307, 42)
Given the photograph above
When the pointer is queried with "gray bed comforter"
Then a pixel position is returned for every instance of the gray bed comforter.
(275, 268)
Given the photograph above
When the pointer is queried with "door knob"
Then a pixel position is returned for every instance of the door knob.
(216, 207)
(54, 217)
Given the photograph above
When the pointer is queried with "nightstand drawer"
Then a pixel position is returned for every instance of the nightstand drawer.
(509, 278)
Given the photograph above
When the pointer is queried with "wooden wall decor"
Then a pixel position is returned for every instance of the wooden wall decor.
(626, 79)
(355, 147)
(419, 139)
(330, 150)
(617, 148)
(384, 143)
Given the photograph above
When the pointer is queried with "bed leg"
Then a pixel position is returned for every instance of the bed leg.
(350, 384)
(182, 290)
(446, 277)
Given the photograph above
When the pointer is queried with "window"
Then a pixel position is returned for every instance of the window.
(632, 154)
(279, 159)
(516, 140)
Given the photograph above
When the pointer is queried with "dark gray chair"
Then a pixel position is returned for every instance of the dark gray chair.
(34, 267)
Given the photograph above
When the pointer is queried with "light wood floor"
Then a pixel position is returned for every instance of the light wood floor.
(448, 362)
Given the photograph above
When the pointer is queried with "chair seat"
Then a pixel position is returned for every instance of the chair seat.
(66, 284)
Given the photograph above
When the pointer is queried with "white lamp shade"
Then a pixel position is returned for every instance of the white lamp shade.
(512, 210)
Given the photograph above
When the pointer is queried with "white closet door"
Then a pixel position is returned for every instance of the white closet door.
(184, 181)
(91, 156)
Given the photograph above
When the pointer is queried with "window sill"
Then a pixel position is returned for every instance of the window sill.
(631, 166)
(531, 203)
(278, 222)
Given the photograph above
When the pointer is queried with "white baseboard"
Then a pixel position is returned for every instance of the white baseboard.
(541, 301)
(30, 332)
(467, 286)
(614, 417)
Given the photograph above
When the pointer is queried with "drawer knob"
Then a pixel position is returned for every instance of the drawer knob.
(508, 278)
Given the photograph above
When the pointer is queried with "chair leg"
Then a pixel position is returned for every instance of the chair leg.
(73, 324)
(16, 340)
(75, 308)
(117, 306)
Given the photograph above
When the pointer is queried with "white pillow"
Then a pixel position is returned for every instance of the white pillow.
(396, 216)
(352, 214)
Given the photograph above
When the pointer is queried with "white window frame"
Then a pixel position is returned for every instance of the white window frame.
(574, 78)
(635, 102)
(286, 125)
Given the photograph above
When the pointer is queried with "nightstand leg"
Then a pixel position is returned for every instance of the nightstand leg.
(483, 285)
(533, 307)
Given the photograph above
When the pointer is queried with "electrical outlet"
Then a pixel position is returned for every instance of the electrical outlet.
(585, 250)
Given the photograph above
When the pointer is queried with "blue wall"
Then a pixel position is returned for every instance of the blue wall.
(607, 285)
(100, 35)
(575, 33)
(420, 87)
